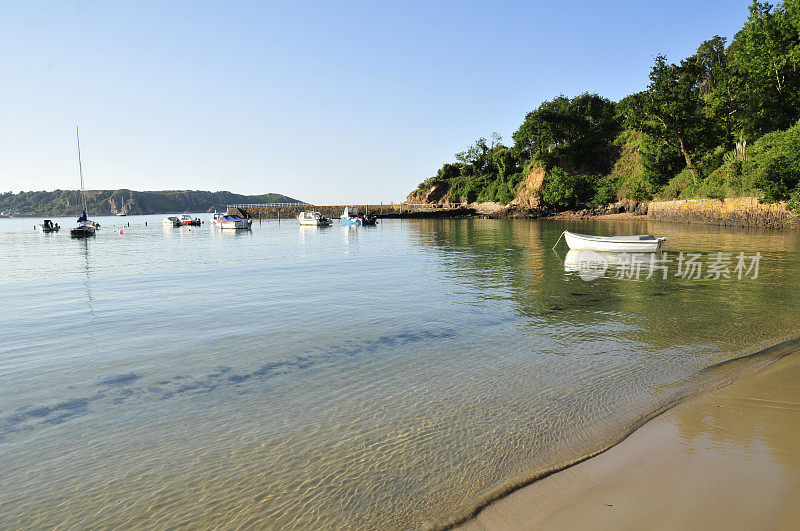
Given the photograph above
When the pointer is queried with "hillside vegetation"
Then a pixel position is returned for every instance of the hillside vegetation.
(723, 122)
(110, 202)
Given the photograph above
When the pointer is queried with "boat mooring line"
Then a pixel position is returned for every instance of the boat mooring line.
(558, 240)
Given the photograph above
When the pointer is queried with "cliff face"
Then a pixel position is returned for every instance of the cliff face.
(435, 193)
(527, 197)
(112, 202)
(528, 192)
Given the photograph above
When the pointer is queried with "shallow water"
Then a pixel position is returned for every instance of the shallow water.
(372, 377)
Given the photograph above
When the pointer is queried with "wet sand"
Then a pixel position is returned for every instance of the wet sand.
(729, 459)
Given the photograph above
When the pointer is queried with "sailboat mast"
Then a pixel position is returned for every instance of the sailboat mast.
(80, 170)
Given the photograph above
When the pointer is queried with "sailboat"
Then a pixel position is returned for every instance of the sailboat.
(86, 227)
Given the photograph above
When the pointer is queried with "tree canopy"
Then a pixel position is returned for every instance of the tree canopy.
(704, 126)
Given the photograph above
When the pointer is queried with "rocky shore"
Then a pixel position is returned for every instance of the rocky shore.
(734, 212)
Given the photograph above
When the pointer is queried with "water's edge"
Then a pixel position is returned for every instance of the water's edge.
(759, 360)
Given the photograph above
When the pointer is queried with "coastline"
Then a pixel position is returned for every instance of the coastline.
(728, 457)
(731, 212)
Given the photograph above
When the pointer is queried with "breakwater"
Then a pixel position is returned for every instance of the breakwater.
(736, 212)
(389, 210)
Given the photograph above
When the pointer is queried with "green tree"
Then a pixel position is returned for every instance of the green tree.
(765, 56)
(719, 88)
(671, 109)
(576, 134)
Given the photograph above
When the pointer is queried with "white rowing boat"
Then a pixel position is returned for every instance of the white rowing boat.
(640, 243)
(313, 218)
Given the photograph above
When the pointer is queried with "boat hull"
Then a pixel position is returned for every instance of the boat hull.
(244, 224)
(82, 232)
(360, 221)
(314, 219)
(614, 244)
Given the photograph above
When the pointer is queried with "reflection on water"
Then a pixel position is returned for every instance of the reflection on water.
(362, 376)
(756, 419)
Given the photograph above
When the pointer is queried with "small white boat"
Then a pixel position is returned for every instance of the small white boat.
(350, 215)
(215, 218)
(235, 222)
(171, 221)
(640, 243)
(48, 226)
(313, 218)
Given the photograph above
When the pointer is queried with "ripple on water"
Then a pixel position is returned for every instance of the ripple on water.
(363, 378)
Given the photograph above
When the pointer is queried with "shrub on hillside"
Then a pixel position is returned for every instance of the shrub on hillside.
(565, 191)
(773, 164)
(605, 190)
(677, 187)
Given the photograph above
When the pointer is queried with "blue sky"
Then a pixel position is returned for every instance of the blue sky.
(329, 102)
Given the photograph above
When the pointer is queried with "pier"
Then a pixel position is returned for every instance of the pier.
(382, 210)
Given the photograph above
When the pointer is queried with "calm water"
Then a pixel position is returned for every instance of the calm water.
(347, 376)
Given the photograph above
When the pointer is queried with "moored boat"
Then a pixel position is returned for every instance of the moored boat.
(48, 226)
(215, 218)
(187, 220)
(86, 227)
(313, 218)
(235, 222)
(350, 215)
(640, 243)
(171, 221)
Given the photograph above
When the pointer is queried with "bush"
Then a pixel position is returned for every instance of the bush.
(793, 203)
(773, 164)
(562, 190)
(637, 187)
(714, 186)
(678, 186)
(605, 191)
(660, 162)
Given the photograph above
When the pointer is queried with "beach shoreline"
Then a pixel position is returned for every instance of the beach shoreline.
(726, 458)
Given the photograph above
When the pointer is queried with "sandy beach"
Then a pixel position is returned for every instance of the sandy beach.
(728, 459)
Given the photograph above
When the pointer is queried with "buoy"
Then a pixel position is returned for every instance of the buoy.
(120, 232)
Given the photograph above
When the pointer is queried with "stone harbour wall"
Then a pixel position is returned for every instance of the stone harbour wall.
(736, 212)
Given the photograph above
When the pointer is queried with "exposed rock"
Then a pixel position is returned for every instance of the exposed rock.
(528, 191)
(487, 208)
(432, 194)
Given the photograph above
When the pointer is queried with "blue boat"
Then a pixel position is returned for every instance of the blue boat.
(351, 216)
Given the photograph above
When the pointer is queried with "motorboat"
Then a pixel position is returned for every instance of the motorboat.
(235, 222)
(640, 243)
(187, 220)
(313, 218)
(172, 221)
(215, 218)
(48, 226)
(350, 215)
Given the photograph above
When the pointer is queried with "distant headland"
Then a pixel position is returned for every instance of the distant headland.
(130, 202)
